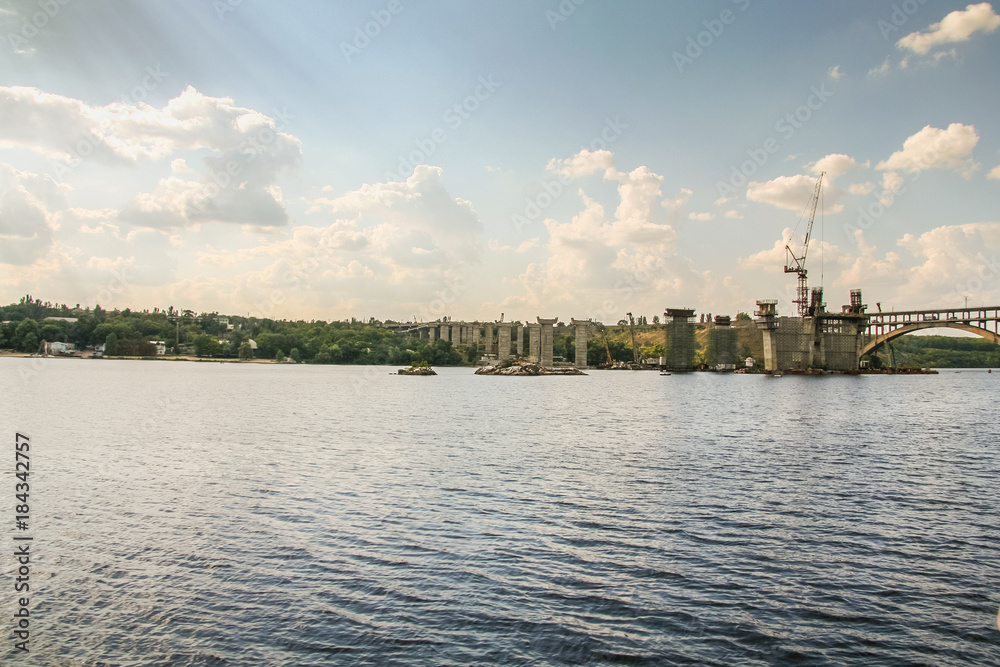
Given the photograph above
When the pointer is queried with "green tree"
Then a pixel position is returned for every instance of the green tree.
(294, 354)
(206, 345)
(246, 352)
(27, 327)
(279, 356)
(111, 345)
(30, 343)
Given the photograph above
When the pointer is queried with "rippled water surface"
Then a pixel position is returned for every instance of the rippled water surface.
(228, 514)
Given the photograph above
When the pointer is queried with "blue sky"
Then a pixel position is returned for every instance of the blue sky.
(571, 159)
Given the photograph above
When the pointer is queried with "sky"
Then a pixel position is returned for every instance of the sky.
(399, 159)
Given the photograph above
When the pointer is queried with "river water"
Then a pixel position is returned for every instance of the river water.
(245, 514)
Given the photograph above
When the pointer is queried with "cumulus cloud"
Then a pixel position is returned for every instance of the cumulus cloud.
(583, 164)
(772, 260)
(26, 220)
(994, 173)
(701, 217)
(625, 248)
(417, 218)
(881, 70)
(935, 148)
(958, 26)
(835, 73)
(246, 151)
(956, 261)
(793, 193)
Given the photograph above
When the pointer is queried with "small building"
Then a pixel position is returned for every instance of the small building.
(56, 348)
(161, 347)
(99, 350)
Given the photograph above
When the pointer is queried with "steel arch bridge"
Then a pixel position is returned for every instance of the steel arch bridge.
(884, 326)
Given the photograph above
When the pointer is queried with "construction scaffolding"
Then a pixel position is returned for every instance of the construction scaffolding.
(679, 324)
(820, 341)
(722, 345)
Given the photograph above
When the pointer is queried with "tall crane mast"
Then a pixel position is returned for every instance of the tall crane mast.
(635, 347)
(796, 263)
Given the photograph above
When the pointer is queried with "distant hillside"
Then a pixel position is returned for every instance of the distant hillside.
(944, 352)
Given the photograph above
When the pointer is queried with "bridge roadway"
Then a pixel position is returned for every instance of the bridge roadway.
(884, 326)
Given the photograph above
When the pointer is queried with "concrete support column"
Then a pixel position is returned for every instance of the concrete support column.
(503, 341)
(432, 333)
(582, 334)
(488, 338)
(519, 335)
(547, 339)
(456, 334)
(475, 335)
(534, 343)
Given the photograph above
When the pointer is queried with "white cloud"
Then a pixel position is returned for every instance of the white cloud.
(934, 148)
(26, 221)
(791, 193)
(733, 214)
(994, 173)
(702, 217)
(881, 70)
(958, 26)
(599, 265)
(861, 188)
(415, 213)
(246, 151)
(835, 73)
(957, 261)
(583, 164)
(772, 260)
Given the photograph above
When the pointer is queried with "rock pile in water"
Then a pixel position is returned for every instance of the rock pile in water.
(525, 368)
(416, 370)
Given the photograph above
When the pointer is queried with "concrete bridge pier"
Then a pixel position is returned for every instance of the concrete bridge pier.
(519, 333)
(503, 341)
(582, 334)
(547, 339)
(488, 336)
(534, 342)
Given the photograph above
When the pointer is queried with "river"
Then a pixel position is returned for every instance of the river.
(236, 514)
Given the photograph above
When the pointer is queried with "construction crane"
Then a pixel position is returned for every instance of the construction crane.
(797, 263)
(635, 347)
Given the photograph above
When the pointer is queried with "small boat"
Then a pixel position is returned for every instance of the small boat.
(664, 372)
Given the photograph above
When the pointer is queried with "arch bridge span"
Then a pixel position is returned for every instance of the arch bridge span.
(884, 326)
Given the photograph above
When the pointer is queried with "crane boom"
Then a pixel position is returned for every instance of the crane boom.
(797, 263)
